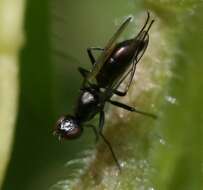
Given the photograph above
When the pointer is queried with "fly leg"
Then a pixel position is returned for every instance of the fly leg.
(129, 108)
(142, 46)
(90, 54)
(101, 125)
(131, 72)
(95, 132)
(83, 71)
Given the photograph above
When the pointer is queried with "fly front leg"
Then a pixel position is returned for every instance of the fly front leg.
(129, 108)
(90, 54)
(101, 125)
(95, 132)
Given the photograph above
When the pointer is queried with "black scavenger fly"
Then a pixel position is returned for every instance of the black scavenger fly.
(116, 63)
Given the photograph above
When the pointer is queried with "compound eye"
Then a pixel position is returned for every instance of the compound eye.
(71, 129)
(68, 128)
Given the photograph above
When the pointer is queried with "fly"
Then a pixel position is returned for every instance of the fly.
(116, 63)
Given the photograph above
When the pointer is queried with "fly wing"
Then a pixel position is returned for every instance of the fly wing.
(107, 51)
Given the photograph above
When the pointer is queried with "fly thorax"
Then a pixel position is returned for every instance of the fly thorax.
(88, 98)
(88, 104)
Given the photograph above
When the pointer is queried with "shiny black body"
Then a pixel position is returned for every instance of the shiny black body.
(116, 64)
(88, 105)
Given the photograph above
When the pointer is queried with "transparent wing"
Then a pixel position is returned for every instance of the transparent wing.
(107, 51)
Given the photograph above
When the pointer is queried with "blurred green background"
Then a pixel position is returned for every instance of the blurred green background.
(57, 34)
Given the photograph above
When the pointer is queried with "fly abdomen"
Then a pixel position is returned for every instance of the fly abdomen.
(117, 64)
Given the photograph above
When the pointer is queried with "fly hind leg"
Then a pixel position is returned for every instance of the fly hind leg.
(142, 45)
(101, 125)
(131, 72)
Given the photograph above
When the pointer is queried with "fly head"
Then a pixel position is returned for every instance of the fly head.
(67, 127)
